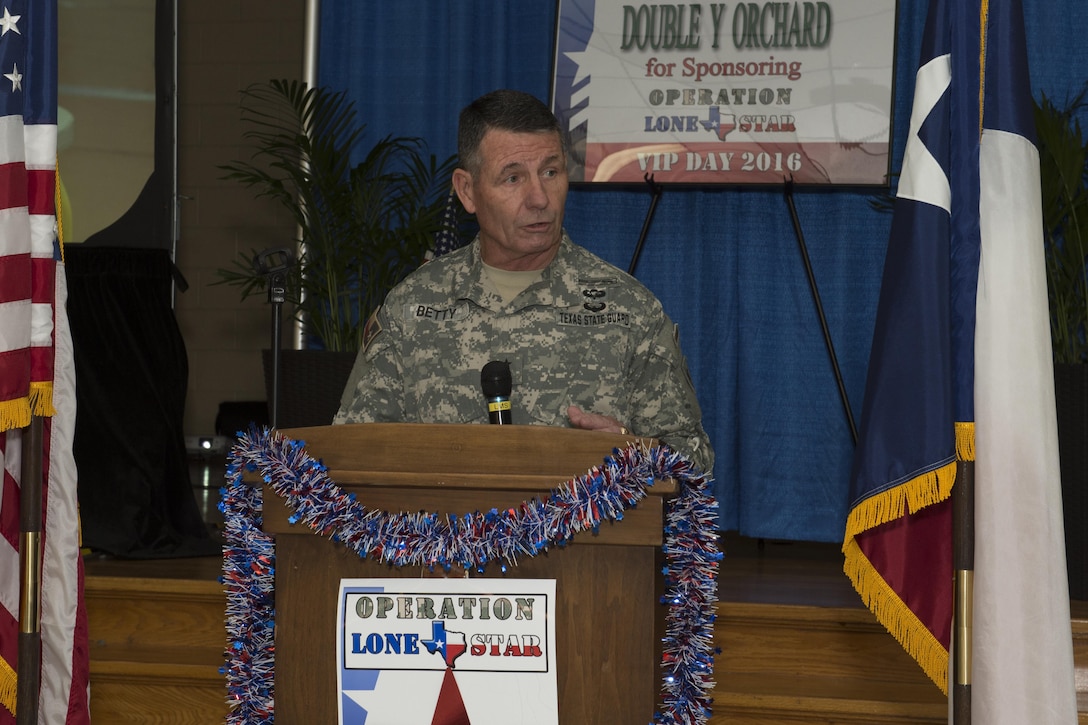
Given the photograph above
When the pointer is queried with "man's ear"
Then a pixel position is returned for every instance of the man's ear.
(462, 184)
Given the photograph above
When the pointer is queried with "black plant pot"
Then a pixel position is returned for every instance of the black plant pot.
(1071, 399)
(311, 383)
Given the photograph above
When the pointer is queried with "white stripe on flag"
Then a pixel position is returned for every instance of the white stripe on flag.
(1022, 643)
(41, 320)
(43, 235)
(14, 231)
(9, 567)
(15, 320)
(60, 574)
(11, 139)
(41, 145)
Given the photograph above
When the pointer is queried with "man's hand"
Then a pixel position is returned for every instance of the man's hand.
(594, 421)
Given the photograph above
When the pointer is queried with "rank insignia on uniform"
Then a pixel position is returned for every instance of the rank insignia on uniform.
(596, 283)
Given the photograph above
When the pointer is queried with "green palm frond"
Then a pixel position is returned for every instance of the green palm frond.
(1063, 164)
(362, 227)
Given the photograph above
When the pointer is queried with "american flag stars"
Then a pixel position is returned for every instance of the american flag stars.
(8, 23)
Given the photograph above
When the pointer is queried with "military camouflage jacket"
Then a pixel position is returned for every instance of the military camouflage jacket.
(586, 334)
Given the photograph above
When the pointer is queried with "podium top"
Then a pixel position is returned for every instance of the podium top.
(458, 455)
(460, 468)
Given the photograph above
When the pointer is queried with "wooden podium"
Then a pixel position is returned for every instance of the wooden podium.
(608, 584)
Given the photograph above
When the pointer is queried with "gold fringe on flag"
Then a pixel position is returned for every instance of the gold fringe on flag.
(8, 686)
(14, 414)
(923, 490)
(17, 413)
(965, 441)
(41, 399)
(896, 616)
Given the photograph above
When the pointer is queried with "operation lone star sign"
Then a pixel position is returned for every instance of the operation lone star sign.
(453, 650)
(735, 93)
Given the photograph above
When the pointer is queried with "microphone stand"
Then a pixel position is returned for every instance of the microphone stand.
(277, 293)
(274, 263)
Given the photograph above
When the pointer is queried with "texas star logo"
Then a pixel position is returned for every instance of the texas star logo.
(447, 643)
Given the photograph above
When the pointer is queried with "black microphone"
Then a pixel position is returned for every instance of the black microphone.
(496, 381)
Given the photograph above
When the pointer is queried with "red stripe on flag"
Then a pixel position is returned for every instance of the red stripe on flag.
(44, 275)
(13, 185)
(41, 367)
(9, 512)
(15, 374)
(15, 273)
(41, 191)
(43, 272)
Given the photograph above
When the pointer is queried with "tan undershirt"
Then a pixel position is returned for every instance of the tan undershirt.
(510, 283)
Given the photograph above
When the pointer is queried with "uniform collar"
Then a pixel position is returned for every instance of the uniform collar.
(557, 287)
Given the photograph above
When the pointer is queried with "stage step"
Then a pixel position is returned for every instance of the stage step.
(157, 639)
(809, 665)
(156, 648)
(793, 664)
(1079, 612)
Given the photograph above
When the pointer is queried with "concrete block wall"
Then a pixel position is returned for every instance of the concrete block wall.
(223, 47)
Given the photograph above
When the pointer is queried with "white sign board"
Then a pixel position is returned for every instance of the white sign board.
(482, 648)
(735, 93)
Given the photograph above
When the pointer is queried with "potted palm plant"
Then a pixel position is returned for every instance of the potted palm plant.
(1063, 159)
(362, 225)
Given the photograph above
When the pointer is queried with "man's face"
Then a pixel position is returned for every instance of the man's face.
(517, 196)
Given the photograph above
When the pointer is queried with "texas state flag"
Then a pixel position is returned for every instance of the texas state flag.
(960, 381)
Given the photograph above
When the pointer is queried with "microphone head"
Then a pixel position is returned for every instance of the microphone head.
(495, 379)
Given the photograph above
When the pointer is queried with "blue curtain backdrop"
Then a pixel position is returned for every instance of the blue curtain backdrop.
(724, 261)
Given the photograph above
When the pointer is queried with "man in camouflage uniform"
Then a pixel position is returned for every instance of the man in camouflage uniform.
(588, 345)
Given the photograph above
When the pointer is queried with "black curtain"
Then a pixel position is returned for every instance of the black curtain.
(135, 496)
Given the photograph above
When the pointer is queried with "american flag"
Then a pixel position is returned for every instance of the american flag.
(37, 372)
(448, 239)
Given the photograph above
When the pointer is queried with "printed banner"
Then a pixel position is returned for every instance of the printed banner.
(456, 651)
(737, 93)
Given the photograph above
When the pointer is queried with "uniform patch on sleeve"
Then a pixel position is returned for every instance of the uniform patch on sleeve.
(371, 329)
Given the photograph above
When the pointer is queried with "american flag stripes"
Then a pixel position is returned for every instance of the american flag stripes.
(36, 366)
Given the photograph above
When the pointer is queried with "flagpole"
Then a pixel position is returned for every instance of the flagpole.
(30, 579)
(963, 563)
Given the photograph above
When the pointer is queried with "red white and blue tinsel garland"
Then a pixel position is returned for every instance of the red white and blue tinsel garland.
(472, 541)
